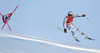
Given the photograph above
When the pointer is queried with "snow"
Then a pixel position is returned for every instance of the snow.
(11, 42)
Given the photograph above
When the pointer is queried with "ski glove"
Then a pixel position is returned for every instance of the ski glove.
(65, 31)
(83, 15)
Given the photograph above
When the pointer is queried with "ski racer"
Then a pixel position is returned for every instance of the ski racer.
(68, 24)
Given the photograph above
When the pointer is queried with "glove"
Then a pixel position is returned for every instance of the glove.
(83, 15)
(65, 31)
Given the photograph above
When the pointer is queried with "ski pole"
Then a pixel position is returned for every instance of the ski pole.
(56, 27)
(90, 21)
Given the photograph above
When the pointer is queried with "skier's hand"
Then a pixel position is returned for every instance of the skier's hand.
(65, 31)
(83, 15)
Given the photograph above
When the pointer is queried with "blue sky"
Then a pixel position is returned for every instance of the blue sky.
(32, 16)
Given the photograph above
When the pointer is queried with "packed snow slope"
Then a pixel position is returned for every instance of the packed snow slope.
(11, 42)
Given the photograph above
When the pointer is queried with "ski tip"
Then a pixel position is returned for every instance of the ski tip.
(78, 40)
(90, 39)
(93, 39)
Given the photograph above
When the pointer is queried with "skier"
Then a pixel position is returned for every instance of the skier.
(68, 24)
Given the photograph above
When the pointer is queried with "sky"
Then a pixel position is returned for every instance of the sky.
(31, 18)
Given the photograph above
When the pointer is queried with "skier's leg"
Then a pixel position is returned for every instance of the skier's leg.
(70, 27)
(73, 33)
(82, 33)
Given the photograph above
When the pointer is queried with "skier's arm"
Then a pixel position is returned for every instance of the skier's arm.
(64, 24)
(79, 15)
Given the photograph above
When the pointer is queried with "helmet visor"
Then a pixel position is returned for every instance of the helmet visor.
(70, 14)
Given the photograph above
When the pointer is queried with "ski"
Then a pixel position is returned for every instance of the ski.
(78, 40)
(56, 27)
(90, 39)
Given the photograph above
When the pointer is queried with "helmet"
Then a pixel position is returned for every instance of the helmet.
(70, 12)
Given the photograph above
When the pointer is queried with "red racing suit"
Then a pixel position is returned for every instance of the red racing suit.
(68, 21)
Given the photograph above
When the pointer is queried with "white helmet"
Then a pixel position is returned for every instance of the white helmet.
(70, 12)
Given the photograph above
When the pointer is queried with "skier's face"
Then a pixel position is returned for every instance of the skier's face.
(70, 15)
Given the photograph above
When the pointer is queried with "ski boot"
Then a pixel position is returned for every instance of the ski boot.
(76, 38)
(88, 37)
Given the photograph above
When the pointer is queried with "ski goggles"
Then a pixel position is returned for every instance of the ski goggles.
(70, 14)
